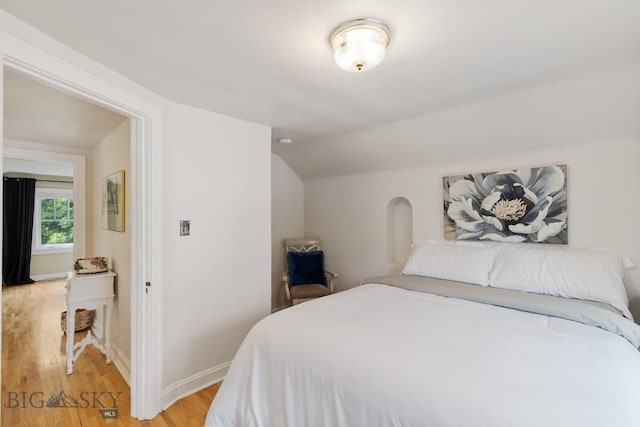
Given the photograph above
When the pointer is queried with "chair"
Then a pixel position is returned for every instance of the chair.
(304, 277)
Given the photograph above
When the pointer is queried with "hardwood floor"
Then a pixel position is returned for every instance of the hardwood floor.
(33, 371)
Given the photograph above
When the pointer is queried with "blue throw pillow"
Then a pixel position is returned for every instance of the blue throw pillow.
(306, 268)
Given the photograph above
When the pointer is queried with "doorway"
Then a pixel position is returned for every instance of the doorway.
(68, 192)
(145, 129)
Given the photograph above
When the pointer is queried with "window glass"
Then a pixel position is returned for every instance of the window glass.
(53, 220)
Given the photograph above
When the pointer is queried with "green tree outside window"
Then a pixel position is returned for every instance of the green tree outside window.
(56, 220)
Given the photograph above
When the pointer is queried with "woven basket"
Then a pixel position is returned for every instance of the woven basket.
(84, 319)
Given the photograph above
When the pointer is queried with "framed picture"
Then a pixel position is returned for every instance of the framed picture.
(520, 205)
(113, 202)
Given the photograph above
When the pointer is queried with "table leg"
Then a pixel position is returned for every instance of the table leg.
(71, 327)
(107, 330)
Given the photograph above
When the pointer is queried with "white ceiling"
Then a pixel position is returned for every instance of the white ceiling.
(37, 113)
(269, 61)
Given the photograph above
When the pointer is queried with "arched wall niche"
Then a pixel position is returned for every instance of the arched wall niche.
(399, 230)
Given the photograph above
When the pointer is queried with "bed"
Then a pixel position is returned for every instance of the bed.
(419, 350)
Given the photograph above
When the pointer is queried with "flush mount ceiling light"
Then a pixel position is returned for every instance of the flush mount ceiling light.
(359, 45)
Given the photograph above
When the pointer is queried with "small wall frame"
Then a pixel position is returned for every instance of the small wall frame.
(113, 207)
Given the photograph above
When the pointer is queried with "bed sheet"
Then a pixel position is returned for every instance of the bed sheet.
(378, 355)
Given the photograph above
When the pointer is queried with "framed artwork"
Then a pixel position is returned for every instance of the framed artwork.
(521, 205)
(113, 202)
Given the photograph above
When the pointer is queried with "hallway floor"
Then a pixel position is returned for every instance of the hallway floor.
(34, 371)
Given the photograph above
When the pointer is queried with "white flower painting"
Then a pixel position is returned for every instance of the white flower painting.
(524, 205)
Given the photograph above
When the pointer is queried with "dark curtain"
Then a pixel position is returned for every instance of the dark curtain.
(19, 197)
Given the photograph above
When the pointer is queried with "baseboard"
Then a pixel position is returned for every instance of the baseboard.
(193, 384)
(122, 362)
(50, 276)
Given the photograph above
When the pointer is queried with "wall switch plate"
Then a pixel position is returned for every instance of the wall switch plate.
(185, 227)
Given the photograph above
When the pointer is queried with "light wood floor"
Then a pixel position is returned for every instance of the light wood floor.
(33, 370)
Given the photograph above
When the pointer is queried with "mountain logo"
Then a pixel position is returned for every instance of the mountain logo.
(62, 400)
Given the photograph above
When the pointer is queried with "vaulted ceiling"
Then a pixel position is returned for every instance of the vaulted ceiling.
(269, 61)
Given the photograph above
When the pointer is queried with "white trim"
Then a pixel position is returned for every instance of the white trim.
(48, 193)
(36, 146)
(146, 118)
(194, 384)
(122, 362)
(65, 248)
(50, 276)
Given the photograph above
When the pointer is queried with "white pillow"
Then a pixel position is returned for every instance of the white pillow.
(461, 261)
(583, 273)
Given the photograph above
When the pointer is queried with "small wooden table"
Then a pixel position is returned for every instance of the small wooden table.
(91, 292)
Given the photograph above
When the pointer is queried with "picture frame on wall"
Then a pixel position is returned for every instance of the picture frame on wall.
(113, 207)
(525, 205)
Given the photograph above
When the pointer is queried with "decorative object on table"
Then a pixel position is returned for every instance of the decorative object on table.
(93, 265)
(84, 319)
(113, 202)
(523, 205)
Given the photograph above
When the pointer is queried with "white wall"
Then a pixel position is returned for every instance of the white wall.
(51, 265)
(205, 167)
(23, 45)
(591, 122)
(349, 212)
(287, 221)
(110, 156)
(216, 281)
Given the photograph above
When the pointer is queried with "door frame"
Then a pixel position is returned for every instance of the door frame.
(144, 187)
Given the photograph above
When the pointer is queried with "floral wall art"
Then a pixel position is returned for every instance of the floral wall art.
(523, 205)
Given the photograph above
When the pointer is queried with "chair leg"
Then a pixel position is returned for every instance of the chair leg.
(288, 294)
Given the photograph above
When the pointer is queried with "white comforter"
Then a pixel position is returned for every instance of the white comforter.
(383, 356)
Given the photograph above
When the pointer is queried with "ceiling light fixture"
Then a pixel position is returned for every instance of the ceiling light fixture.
(359, 45)
(284, 140)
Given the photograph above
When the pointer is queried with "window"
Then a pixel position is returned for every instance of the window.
(53, 221)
